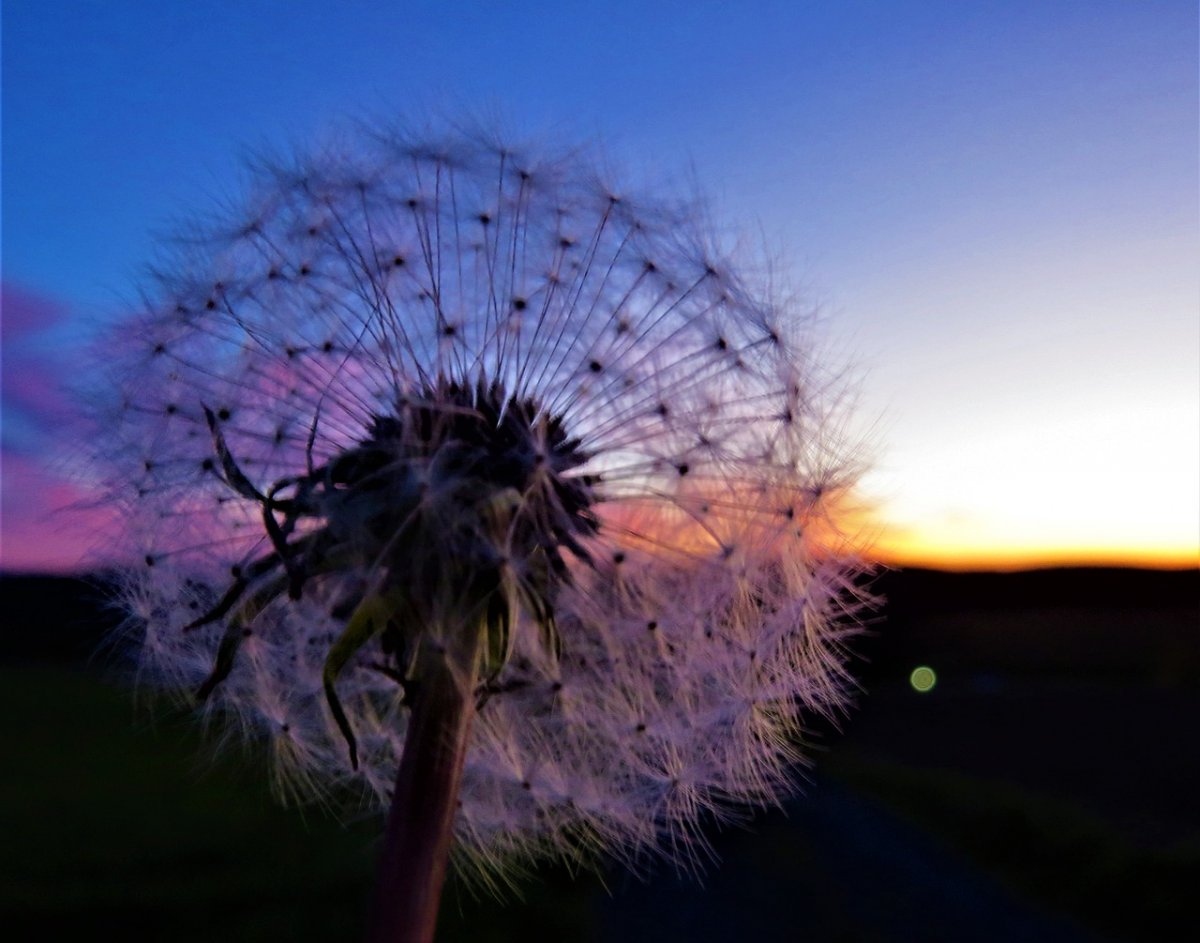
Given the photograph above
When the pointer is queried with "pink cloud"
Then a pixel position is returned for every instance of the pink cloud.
(26, 312)
(45, 524)
(33, 368)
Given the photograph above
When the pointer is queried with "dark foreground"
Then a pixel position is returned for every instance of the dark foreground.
(1044, 790)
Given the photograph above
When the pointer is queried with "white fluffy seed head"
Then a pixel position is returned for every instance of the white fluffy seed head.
(701, 622)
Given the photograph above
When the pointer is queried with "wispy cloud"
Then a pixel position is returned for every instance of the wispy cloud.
(45, 520)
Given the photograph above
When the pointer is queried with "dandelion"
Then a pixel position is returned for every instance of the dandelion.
(487, 492)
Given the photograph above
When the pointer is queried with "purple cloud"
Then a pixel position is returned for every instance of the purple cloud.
(45, 521)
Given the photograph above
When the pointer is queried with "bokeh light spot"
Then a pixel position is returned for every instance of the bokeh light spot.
(922, 679)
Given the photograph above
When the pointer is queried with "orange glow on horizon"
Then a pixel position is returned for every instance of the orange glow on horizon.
(930, 556)
(1026, 541)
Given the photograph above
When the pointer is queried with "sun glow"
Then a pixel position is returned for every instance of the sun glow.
(919, 553)
(1104, 483)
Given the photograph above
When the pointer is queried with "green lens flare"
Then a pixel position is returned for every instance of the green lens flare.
(922, 679)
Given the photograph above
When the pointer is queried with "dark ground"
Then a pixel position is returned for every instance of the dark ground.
(1044, 790)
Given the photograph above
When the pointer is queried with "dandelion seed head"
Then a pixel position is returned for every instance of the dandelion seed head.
(413, 358)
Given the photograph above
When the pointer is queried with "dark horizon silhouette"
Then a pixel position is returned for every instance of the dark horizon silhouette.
(1040, 791)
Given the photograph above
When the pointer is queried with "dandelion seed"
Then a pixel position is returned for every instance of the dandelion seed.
(445, 480)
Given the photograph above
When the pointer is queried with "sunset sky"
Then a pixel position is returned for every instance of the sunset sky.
(994, 204)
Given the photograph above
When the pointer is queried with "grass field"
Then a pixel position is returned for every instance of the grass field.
(1003, 805)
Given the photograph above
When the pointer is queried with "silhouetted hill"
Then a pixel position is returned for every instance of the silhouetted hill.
(1085, 621)
(53, 618)
(1108, 621)
(917, 591)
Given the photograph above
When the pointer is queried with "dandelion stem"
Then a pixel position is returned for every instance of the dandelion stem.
(420, 825)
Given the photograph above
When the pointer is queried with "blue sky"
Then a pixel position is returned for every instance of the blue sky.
(996, 205)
